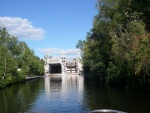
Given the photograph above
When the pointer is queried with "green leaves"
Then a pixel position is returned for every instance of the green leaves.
(15, 54)
(119, 43)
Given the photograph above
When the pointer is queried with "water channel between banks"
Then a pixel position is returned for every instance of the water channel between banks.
(69, 94)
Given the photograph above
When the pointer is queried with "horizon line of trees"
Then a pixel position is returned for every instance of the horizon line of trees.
(17, 60)
(117, 48)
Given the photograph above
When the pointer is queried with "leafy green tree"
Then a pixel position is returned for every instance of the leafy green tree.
(118, 45)
(16, 55)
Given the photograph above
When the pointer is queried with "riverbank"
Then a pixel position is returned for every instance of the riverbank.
(4, 83)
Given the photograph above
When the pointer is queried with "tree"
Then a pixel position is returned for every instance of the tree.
(80, 44)
(118, 45)
(15, 54)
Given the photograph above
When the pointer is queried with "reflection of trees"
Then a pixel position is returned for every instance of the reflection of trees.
(104, 97)
(19, 97)
(93, 99)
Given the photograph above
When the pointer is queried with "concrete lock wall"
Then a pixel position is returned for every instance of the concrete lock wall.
(62, 66)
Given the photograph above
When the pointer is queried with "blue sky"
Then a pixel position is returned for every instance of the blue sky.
(48, 23)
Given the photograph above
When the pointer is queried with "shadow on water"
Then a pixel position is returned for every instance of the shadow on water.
(98, 96)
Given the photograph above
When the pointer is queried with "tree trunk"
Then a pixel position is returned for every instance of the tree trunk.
(4, 70)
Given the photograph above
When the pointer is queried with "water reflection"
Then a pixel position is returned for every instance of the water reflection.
(19, 97)
(64, 93)
(97, 96)
(63, 83)
(47, 85)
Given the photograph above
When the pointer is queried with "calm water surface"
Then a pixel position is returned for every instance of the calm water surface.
(69, 94)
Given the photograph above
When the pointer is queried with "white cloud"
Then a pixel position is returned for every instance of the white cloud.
(22, 28)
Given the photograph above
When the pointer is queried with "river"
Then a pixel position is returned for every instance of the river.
(69, 94)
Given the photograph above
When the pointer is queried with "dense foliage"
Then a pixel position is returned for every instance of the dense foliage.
(17, 60)
(117, 48)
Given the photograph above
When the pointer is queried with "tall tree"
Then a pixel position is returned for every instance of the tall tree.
(119, 43)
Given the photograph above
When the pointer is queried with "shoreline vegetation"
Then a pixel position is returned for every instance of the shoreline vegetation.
(17, 60)
(116, 50)
(20, 81)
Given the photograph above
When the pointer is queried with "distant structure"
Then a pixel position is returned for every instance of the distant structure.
(61, 65)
